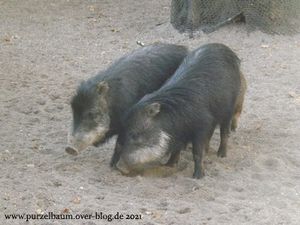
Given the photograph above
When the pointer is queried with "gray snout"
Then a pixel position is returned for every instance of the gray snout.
(72, 150)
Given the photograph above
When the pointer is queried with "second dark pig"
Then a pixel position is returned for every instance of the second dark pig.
(202, 94)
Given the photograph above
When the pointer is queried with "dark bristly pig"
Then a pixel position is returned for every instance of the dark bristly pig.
(204, 92)
(100, 101)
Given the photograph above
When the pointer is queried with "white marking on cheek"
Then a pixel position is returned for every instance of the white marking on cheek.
(96, 134)
(101, 130)
(83, 139)
(164, 139)
(152, 153)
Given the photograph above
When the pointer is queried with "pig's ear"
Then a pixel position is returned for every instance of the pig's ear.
(153, 109)
(102, 87)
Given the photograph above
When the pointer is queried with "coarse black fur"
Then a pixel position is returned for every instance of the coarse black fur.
(200, 95)
(128, 80)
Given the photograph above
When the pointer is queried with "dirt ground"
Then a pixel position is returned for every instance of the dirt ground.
(48, 47)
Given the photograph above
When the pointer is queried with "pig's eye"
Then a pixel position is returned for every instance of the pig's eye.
(133, 136)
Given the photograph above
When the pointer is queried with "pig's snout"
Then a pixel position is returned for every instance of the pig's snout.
(75, 144)
(72, 150)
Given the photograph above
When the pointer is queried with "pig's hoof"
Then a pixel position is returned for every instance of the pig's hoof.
(221, 153)
(198, 174)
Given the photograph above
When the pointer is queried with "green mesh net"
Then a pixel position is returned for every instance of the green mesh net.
(271, 16)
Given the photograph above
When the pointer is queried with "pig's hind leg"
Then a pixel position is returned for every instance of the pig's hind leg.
(199, 144)
(224, 134)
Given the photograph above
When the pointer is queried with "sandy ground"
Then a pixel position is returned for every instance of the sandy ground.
(48, 47)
